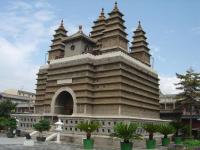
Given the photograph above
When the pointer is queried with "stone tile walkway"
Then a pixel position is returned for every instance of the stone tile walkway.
(17, 144)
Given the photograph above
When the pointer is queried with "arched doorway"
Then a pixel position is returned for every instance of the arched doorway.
(64, 102)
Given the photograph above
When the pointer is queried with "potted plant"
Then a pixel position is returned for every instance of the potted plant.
(126, 132)
(42, 125)
(166, 129)
(11, 125)
(88, 127)
(178, 126)
(151, 129)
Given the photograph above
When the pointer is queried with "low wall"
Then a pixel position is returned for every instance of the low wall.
(71, 134)
(107, 123)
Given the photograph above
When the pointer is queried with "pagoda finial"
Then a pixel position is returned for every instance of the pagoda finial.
(102, 12)
(61, 24)
(139, 25)
(80, 28)
(116, 7)
(101, 17)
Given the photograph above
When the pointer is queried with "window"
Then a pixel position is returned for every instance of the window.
(86, 49)
(108, 130)
(72, 47)
(103, 123)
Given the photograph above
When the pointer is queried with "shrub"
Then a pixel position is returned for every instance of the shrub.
(192, 143)
(8, 123)
(126, 132)
(151, 129)
(88, 127)
(3, 122)
(11, 123)
(166, 129)
(42, 125)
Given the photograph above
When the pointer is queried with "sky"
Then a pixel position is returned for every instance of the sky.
(172, 29)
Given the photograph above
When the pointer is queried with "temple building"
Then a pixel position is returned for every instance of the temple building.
(99, 75)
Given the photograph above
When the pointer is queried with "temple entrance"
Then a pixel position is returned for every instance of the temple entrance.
(64, 103)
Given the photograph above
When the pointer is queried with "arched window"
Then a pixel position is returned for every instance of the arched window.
(72, 47)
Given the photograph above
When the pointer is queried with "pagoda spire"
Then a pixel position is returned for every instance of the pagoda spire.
(139, 48)
(115, 31)
(99, 26)
(97, 31)
(102, 16)
(57, 46)
(139, 26)
(115, 7)
(62, 24)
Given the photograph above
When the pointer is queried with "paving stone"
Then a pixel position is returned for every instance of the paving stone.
(17, 144)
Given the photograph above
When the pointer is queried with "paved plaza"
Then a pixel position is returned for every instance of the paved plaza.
(17, 144)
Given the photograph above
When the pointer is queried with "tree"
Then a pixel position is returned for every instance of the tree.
(6, 108)
(189, 84)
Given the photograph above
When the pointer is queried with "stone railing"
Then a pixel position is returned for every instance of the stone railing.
(26, 121)
(107, 123)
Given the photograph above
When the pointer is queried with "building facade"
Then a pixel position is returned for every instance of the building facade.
(25, 100)
(169, 108)
(172, 108)
(98, 75)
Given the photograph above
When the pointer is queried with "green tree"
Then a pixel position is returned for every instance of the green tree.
(6, 108)
(189, 85)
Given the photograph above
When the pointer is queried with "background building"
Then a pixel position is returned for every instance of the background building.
(25, 100)
(171, 108)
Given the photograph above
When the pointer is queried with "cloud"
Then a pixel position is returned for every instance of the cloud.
(24, 28)
(155, 52)
(167, 84)
(196, 30)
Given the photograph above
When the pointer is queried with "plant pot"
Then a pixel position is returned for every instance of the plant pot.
(40, 139)
(165, 141)
(150, 144)
(126, 146)
(177, 140)
(88, 143)
(10, 135)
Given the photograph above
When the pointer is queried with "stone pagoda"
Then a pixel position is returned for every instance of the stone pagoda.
(96, 75)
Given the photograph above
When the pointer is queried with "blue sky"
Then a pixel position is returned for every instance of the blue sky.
(172, 27)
